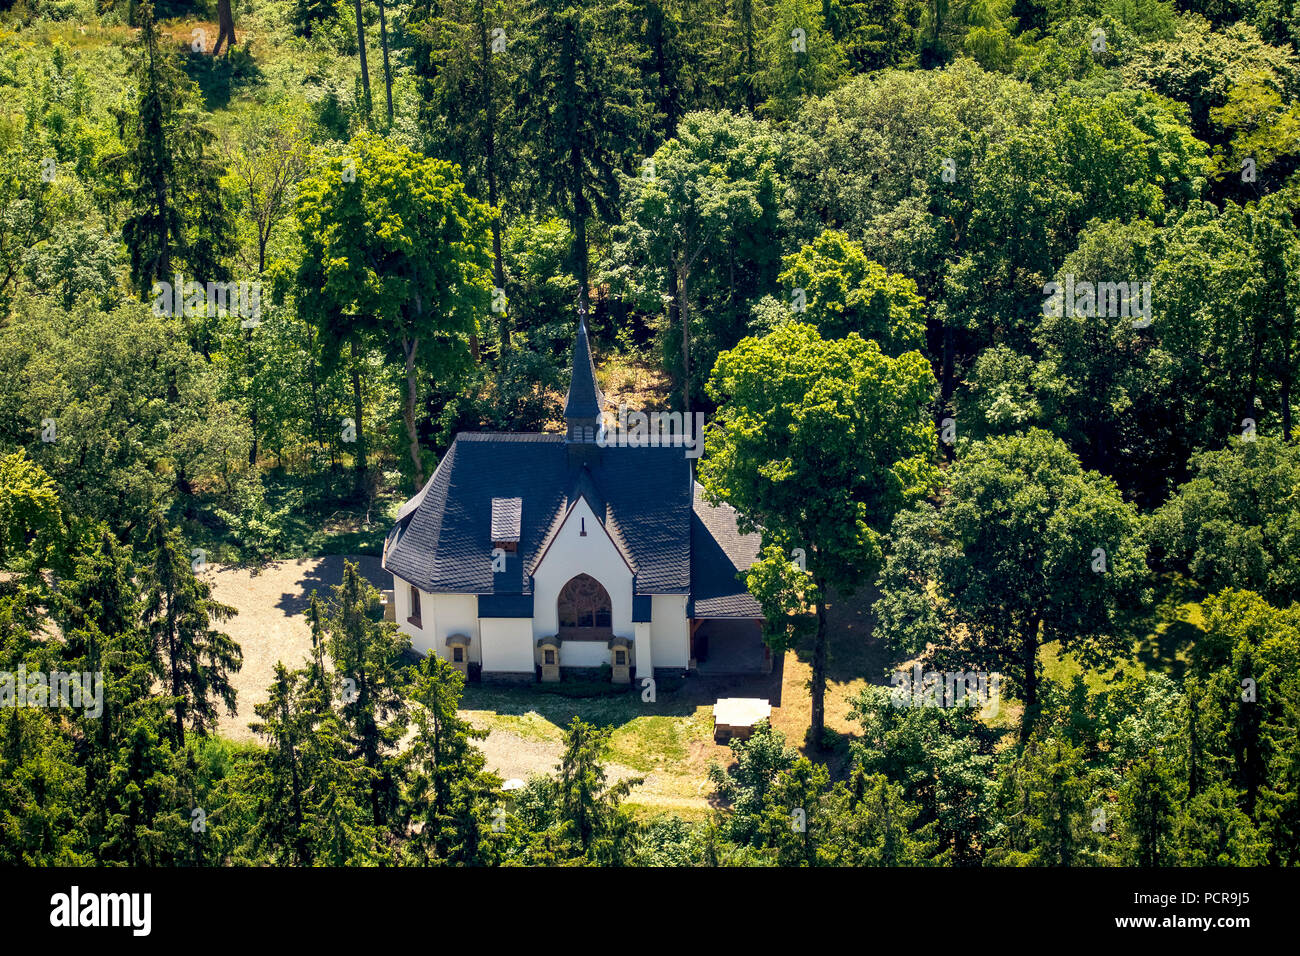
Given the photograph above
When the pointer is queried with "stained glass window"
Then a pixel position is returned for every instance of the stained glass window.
(584, 604)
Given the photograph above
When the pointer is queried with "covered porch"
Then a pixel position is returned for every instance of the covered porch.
(727, 646)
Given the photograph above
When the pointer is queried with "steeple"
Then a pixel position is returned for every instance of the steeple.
(583, 406)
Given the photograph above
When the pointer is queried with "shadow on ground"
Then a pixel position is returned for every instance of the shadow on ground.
(1168, 648)
(322, 574)
(218, 78)
(616, 710)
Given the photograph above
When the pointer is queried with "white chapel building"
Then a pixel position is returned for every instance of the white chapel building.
(531, 556)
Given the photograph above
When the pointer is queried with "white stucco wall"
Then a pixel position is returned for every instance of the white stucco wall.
(584, 653)
(441, 615)
(507, 644)
(670, 632)
(572, 554)
(421, 637)
(643, 650)
(456, 614)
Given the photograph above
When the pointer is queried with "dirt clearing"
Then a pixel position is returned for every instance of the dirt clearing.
(270, 626)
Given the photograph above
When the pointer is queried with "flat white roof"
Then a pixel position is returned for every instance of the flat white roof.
(741, 711)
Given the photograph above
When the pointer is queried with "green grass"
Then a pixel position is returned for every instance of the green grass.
(322, 518)
(648, 738)
(646, 743)
(1165, 649)
(659, 743)
(530, 726)
(532, 702)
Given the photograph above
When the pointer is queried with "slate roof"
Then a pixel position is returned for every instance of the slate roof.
(719, 552)
(505, 518)
(584, 399)
(505, 487)
(641, 495)
(674, 541)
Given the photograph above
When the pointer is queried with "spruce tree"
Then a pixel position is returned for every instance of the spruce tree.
(191, 657)
(1147, 804)
(175, 212)
(580, 110)
(451, 795)
(280, 784)
(367, 652)
(465, 79)
(98, 608)
(593, 820)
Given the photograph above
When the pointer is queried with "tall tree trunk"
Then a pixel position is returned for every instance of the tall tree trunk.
(818, 723)
(359, 455)
(159, 146)
(674, 306)
(1029, 663)
(173, 652)
(388, 76)
(499, 277)
(579, 220)
(252, 404)
(365, 70)
(747, 17)
(490, 163)
(409, 347)
(301, 847)
(949, 450)
(1288, 330)
(1256, 359)
(225, 27)
(252, 421)
(317, 416)
(580, 259)
(684, 312)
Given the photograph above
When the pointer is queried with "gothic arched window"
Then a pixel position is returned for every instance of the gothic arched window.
(584, 610)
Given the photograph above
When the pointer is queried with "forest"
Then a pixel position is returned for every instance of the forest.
(990, 307)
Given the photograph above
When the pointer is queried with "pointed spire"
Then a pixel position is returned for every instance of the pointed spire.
(584, 403)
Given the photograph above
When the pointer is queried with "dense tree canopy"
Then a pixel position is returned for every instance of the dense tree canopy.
(990, 308)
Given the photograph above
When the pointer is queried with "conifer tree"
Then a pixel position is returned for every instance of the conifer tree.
(593, 819)
(101, 593)
(465, 69)
(361, 53)
(41, 791)
(175, 213)
(340, 829)
(580, 110)
(1148, 808)
(309, 793)
(281, 783)
(320, 678)
(98, 608)
(450, 793)
(1042, 806)
(367, 652)
(141, 790)
(191, 657)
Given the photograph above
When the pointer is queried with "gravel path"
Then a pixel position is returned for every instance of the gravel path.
(512, 755)
(270, 626)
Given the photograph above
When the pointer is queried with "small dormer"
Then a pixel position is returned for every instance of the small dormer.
(507, 514)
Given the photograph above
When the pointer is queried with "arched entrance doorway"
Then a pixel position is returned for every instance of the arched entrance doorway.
(584, 610)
